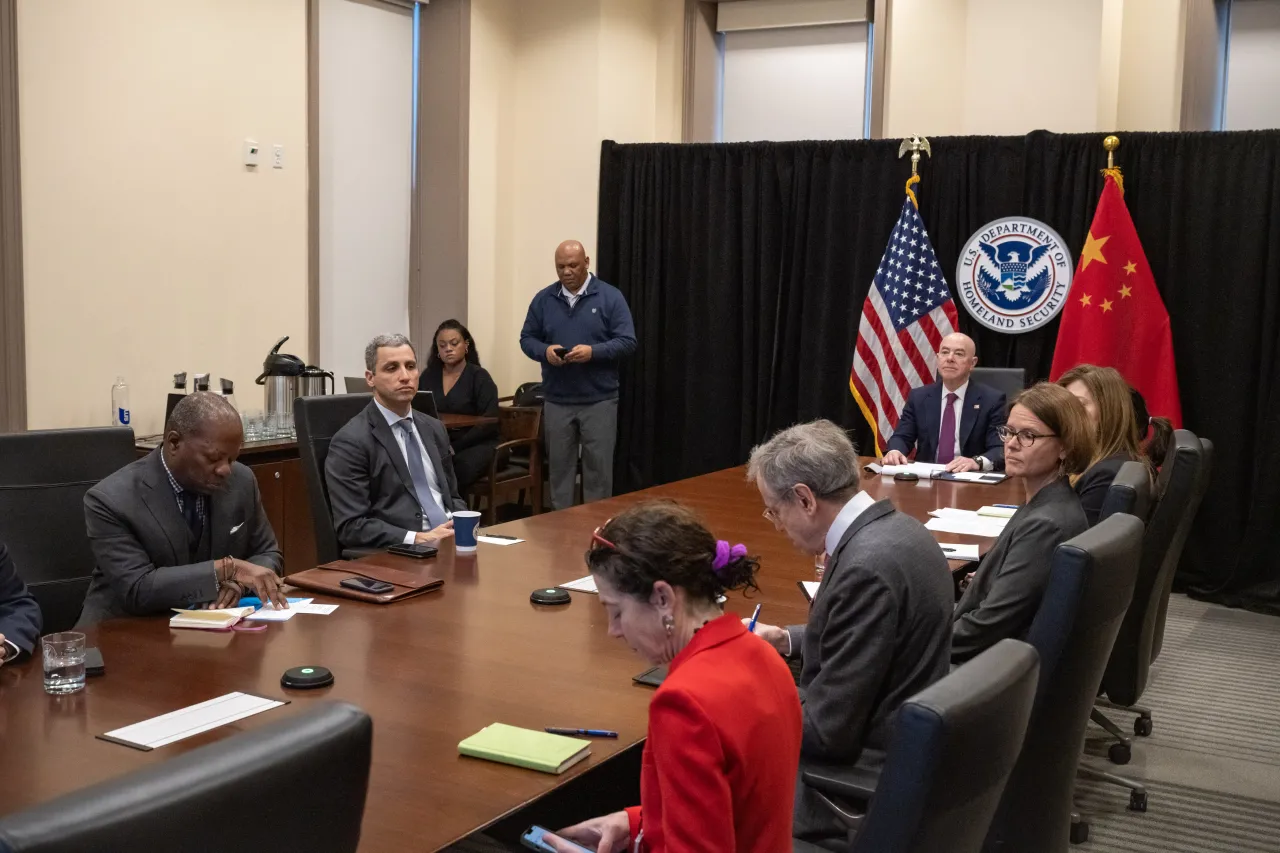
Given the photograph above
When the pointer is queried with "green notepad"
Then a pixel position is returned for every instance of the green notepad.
(525, 748)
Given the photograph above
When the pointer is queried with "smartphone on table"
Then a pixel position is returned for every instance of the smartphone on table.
(532, 839)
(366, 585)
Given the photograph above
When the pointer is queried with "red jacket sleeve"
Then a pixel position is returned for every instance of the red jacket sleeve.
(697, 806)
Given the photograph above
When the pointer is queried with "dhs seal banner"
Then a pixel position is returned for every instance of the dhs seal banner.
(1014, 274)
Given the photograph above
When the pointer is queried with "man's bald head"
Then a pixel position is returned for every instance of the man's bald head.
(202, 441)
(572, 265)
(957, 356)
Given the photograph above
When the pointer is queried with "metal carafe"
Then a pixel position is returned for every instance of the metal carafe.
(280, 373)
(311, 382)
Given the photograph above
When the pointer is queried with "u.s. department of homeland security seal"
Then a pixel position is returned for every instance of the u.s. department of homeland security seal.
(1014, 274)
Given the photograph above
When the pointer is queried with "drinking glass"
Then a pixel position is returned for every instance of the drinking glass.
(63, 662)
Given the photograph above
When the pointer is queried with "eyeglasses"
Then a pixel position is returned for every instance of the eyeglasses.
(1026, 438)
(597, 539)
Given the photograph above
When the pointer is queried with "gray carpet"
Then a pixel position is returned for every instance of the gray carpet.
(1212, 763)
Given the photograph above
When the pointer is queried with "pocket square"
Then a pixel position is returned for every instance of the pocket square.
(237, 527)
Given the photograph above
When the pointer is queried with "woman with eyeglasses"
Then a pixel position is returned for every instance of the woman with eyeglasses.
(723, 749)
(1108, 402)
(1047, 438)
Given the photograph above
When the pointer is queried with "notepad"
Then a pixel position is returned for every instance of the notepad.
(998, 511)
(975, 526)
(587, 584)
(525, 748)
(192, 720)
(954, 551)
(209, 620)
(924, 470)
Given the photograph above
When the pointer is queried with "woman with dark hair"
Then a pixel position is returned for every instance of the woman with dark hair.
(1108, 401)
(720, 763)
(462, 387)
(1047, 438)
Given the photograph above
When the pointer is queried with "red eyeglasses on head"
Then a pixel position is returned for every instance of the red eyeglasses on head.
(597, 539)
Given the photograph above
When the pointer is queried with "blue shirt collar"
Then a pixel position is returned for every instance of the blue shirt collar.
(392, 417)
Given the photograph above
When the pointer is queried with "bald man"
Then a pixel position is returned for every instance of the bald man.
(579, 329)
(953, 421)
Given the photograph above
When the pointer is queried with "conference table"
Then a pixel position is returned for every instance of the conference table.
(430, 670)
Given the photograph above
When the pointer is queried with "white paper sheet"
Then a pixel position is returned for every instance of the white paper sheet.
(978, 477)
(924, 470)
(956, 551)
(810, 588)
(976, 526)
(315, 609)
(494, 540)
(177, 725)
(268, 612)
(587, 584)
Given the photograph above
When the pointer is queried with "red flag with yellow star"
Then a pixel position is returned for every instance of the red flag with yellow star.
(1114, 316)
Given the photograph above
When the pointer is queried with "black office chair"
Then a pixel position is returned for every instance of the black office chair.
(1010, 381)
(1090, 584)
(1130, 492)
(44, 475)
(301, 781)
(316, 420)
(1129, 667)
(954, 745)
(1202, 485)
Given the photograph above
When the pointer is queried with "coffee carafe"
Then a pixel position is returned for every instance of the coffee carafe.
(280, 375)
(311, 382)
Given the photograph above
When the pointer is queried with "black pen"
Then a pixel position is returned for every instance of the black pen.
(496, 536)
(582, 732)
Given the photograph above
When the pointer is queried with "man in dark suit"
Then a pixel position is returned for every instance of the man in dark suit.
(952, 422)
(183, 527)
(879, 627)
(19, 613)
(389, 471)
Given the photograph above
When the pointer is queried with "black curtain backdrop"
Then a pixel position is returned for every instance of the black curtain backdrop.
(746, 267)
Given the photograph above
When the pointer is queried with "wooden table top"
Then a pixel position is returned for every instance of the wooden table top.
(461, 421)
(430, 670)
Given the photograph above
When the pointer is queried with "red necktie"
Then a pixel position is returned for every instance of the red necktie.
(947, 435)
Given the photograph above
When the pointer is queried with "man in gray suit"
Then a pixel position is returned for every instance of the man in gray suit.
(879, 627)
(389, 470)
(183, 527)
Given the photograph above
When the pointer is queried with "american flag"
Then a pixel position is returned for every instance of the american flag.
(907, 314)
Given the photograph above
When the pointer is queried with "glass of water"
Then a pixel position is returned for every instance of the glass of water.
(63, 662)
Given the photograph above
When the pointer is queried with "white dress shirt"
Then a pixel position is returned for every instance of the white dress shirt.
(983, 462)
(432, 482)
(582, 291)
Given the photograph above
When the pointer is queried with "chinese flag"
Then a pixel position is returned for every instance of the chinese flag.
(1114, 316)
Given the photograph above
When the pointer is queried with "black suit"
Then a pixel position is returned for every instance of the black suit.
(982, 413)
(1006, 590)
(147, 559)
(1094, 483)
(370, 490)
(475, 393)
(19, 614)
(879, 631)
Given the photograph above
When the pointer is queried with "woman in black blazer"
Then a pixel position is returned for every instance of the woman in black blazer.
(1047, 438)
(462, 387)
(1108, 401)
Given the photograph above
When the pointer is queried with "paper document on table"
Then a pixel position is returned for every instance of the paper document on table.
(176, 725)
(997, 511)
(924, 470)
(955, 551)
(499, 540)
(977, 477)
(587, 584)
(209, 620)
(315, 609)
(269, 613)
(810, 589)
(975, 526)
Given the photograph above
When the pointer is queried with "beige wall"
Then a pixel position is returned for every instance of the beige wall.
(551, 79)
(149, 248)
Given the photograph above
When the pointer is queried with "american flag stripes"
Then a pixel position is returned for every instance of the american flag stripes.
(907, 314)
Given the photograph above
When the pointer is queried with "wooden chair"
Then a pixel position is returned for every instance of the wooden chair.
(518, 427)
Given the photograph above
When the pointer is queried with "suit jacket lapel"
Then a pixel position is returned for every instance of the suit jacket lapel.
(383, 435)
(158, 496)
(968, 414)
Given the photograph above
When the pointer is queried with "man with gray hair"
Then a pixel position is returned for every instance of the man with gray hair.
(390, 469)
(879, 627)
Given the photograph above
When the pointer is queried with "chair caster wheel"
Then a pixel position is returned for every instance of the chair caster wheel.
(1142, 727)
(1079, 832)
(1120, 753)
(1138, 801)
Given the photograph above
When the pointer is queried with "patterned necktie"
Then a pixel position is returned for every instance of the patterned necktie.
(191, 512)
(435, 515)
(947, 435)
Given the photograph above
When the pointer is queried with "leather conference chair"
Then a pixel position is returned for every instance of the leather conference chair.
(1202, 486)
(1090, 584)
(317, 419)
(1009, 381)
(299, 782)
(1131, 492)
(519, 429)
(954, 745)
(44, 475)
(1128, 670)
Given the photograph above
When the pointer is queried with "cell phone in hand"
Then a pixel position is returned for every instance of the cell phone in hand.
(532, 839)
(561, 352)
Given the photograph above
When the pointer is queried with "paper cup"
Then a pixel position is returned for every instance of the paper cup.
(465, 524)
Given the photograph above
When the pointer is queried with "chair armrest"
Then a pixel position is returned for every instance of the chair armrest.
(510, 399)
(847, 783)
(518, 442)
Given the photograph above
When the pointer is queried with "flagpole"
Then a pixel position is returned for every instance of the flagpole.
(1111, 143)
(915, 144)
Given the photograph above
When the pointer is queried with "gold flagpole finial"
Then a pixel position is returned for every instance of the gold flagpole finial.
(915, 144)
(1111, 143)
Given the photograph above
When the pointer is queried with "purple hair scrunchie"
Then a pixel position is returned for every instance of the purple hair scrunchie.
(725, 554)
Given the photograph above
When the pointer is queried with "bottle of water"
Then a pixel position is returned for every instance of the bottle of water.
(120, 403)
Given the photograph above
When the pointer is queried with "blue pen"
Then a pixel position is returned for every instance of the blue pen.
(751, 629)
(1007, 506)
(555, 730)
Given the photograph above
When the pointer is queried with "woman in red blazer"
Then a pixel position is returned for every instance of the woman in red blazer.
(720, 762)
